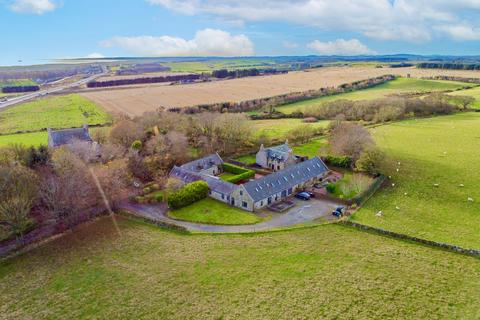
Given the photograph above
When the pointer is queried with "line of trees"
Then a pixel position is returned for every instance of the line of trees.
(19, 89)
(241, 73)
(143, 80)
(449, 65)
(388, 109)
(272, 102)
(454, 78)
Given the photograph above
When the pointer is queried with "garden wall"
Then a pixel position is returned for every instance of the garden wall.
(446, 246)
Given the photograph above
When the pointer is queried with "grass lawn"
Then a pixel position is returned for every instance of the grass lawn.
(279, 128)
(56, 112)
(328, 272)
(214, 212)
(444, 151)
(31, 139)
(351, 185)
(226, 175)
(398, 86)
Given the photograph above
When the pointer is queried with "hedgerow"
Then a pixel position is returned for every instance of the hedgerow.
(240, 173)
(187, 195)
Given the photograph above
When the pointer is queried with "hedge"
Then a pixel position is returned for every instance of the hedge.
(240, 173)
(187, 195)
(341, 161)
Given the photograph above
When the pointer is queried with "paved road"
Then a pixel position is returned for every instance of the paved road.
(302, 213)
(30, 96)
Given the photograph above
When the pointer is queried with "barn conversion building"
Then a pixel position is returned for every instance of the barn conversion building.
(255, 194)
(276, 158)
(277, 186)
(58, 138)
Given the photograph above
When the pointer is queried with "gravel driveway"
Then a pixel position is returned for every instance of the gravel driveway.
(302, 212)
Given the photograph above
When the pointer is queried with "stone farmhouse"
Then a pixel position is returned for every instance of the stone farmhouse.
(255, 194)
(58, 138)
(276, 158)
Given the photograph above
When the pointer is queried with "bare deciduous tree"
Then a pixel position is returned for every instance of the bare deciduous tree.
(18, 193)
(348, 139)
(125, 132)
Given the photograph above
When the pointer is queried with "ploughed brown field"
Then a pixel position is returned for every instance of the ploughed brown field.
(137, 100)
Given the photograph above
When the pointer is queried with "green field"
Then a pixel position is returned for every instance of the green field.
(54, 112)
(441, 151)
(211, 211)
(473, 92)
(17, 83)
(329, 272)
(395, 87)
(279, 128)
(208, 66)
(30, 139)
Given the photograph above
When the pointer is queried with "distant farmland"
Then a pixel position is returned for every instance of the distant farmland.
(135, 101)
(395, 87)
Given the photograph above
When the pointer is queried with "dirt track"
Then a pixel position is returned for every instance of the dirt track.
(137, 100)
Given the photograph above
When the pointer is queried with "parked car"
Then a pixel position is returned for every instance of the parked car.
(311, 194)
(338, 212)
(303, 196)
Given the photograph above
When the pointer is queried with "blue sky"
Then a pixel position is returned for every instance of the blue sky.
(39, 30)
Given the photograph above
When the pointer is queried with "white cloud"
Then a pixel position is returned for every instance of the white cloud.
(461, 32)
(340, 47)
(95, 55)
(207, 42)
(406, 20)
(33, 6)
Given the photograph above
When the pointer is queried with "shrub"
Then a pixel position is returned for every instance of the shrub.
(137, 145)
(240, 173)
(159, 196)
(331, 188)
(240, 177)
(187, 195)
(370, 161)
(139, 200)
(147, 190)
(338, 161)
(231, 168)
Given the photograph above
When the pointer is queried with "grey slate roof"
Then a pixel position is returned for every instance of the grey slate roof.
(58, 138)
(185, 175)
(203, 163)
(215, 184)
(218, 185)
(283, 180)
(279, 152)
